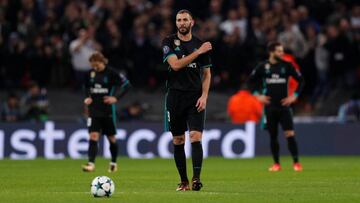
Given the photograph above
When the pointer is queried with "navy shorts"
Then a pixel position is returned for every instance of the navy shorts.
(181, 112)
(278, 115)
(102, 125)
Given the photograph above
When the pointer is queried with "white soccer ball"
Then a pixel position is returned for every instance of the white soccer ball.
(102, 186)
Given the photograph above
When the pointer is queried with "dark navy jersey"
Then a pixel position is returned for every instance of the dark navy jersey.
(188, 78)
(273, 80)
(105, 83)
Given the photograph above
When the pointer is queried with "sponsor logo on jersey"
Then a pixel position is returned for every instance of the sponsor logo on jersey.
(98, 89)
(282, 70)
(275, 79)
(267, 66)
(190, 65)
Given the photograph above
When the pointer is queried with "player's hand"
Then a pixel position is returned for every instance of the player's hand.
(110, 100)
(287, 101)
(263, 99)
(205, 47)
(201, 103)
(88, 101)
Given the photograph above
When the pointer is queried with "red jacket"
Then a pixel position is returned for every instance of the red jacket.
(243, 107)
(293, 84)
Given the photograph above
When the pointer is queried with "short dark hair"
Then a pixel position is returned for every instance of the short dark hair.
(185, 11)
(272, 46)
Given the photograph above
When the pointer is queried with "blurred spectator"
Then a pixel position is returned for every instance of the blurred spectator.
(81, 48)
(243, 107)
(308, 63)
(116, 47)
(340, 56)
(350, 111)
(15, 61)
(261, 7)
(355, 17)
(322, 70)
(143, 50)
(134, 111)
(236, 23)
(83, 118)
(41, 60)
(40, 39)
(10, 111)
(215, 8)
(35, 103)
(233, 59)
(306, 20)
(293, 39)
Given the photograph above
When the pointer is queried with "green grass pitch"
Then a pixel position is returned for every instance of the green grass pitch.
(324, 179)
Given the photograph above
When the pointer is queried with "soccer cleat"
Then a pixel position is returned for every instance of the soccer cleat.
(112, 168)
(298, 167)
(183, 186)
(196, 184)
(89, 167)
(275, 168)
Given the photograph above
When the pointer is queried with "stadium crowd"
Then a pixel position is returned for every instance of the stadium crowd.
(36, 37)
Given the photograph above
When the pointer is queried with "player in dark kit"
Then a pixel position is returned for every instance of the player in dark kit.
(188, 87)
(104, 87)
(272, 77)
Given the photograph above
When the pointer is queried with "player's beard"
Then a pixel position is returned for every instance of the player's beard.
(184, 30)
(278, 58)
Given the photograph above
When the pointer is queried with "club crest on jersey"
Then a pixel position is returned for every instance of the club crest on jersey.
(166, 49)
(282, 71)
(267, 66)
(177, 42)
(92, 74)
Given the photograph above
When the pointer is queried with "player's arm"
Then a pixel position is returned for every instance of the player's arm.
(201, 102)
(86, 87)
(76, 45)
(254, 82)
(124, 89)
(177, 64)
(120, 88)
(300, 79)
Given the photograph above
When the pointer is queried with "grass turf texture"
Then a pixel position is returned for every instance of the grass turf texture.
(324, 179)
